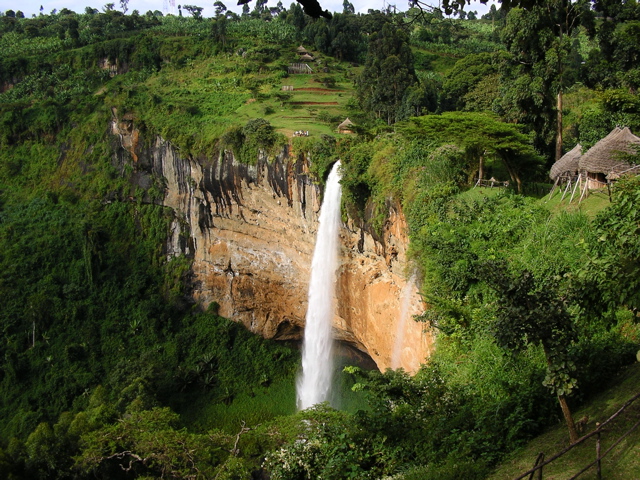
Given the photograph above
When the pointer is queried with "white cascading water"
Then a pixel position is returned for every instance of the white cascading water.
(314, 383)
(407, 292)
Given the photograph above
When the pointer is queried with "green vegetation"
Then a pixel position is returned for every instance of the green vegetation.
(621, 463)
(110, 370)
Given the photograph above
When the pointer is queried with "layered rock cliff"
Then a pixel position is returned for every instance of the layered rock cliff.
(251, 232)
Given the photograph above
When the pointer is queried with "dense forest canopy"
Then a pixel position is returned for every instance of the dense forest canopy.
(111, 370)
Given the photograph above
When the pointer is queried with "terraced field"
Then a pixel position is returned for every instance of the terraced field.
(316, 102)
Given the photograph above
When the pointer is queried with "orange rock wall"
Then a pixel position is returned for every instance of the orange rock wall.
(251, 232)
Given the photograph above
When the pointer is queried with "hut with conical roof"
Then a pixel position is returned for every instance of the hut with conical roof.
(346, 126)
(567, 165)
(565, 171)
(604, 161)
(301, 50)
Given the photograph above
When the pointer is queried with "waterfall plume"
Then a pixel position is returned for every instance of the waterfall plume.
(314, 383)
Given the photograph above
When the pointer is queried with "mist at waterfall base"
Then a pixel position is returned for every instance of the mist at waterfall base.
(314, 383)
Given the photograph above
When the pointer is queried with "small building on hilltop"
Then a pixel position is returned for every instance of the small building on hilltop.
(304, 55)
(346, 126)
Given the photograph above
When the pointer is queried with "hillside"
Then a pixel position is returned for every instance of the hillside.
(621, 462)
(160, 185)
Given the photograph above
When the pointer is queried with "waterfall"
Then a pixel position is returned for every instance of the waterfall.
(314, 383)
(402, 321)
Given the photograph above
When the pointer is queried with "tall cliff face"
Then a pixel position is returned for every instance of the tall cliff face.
(251, 232)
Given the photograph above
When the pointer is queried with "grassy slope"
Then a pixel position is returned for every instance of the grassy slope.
(205, 99)
(591, 205)
(292, 114)
(624, 460)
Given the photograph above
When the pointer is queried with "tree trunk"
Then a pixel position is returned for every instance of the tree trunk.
(512, 173)
(481, 167)
(573, 433)
(559, 128)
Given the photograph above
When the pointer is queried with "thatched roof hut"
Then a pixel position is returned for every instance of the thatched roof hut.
(567, 164)
(603, 159)
(301, 50)
(306, 57)
(346, 126)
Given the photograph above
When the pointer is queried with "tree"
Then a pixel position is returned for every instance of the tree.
(347, 7)
(296, 17)
(494, 14)
(531, 314)
(311, 8)
(71, 25)
(614, 248)
(259, 8)
(539, 40)
(479, 134)
(220, 8)
(124, 6)
(278, 9)
(219, 30)
(421, 98)
(615, 62)
(465, 82)
(195, 11)
(147, 442)
(387, 74)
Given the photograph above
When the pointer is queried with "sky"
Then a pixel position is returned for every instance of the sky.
(30, 7)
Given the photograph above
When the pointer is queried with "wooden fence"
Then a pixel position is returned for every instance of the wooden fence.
(294, 68)
(540, 462)
(492, 182)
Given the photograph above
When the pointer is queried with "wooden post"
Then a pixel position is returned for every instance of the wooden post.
(585, 190)
(579, 182)
(559, 128)
(598, 465)
(567, 188)
(555, 184)
(540, 469)
(539, 460)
